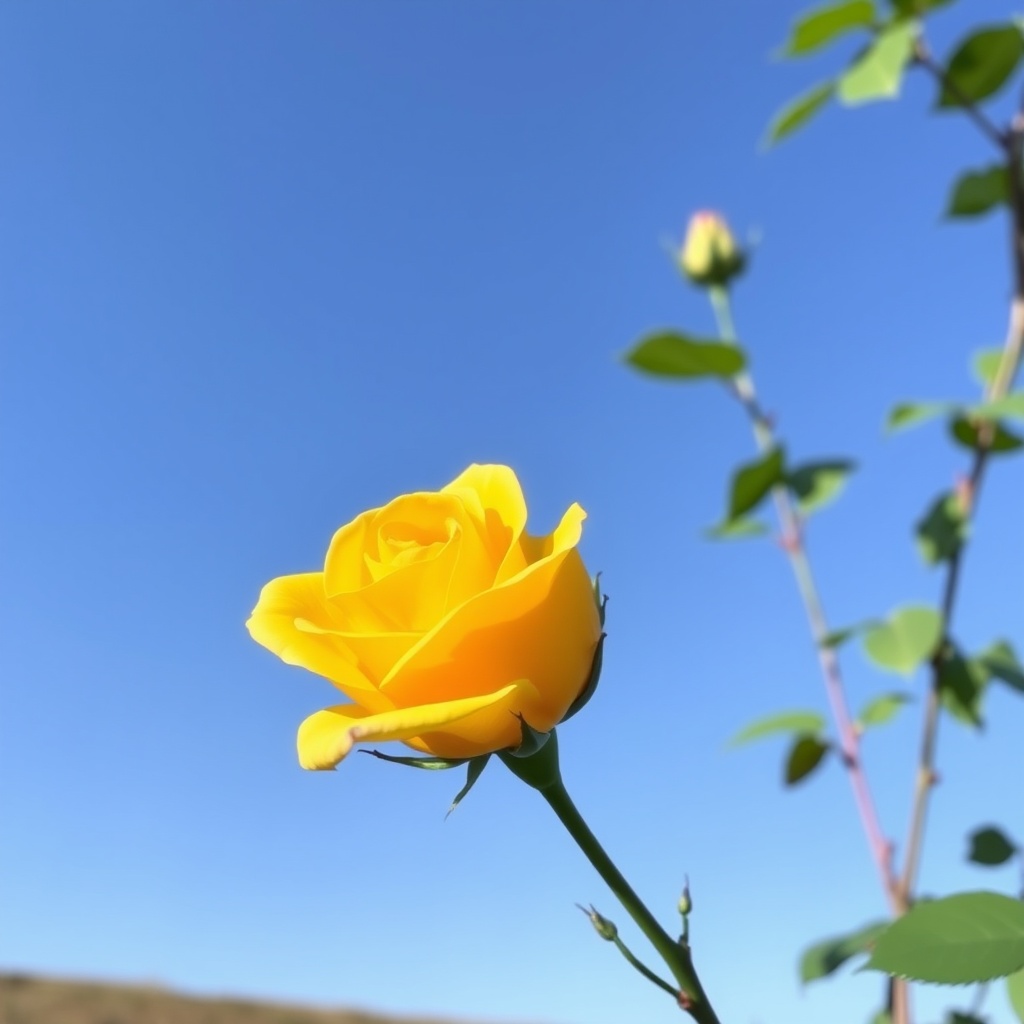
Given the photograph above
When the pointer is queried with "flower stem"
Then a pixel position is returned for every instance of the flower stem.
(676, 958)
(1001, 384)
(791, 526)
(541, 772)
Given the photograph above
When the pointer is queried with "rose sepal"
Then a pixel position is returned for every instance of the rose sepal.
(536, 765)
(429, 763)
(590, 687)
(475, 770)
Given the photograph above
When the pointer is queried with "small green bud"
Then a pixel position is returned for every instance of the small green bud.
(709, 256)
(685, 903)
(605, 928)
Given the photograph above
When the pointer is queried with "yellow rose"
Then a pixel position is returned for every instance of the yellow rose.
(709, 255)
(441, 620)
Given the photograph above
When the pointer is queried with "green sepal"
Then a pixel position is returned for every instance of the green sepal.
(429, 763)
(538, 769)
(592, 680)
(600, 599)
(531, 740)
(475, 770)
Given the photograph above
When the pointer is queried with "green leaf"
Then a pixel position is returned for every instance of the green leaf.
(1000, 661)
(963, 939)
(1015, 993)
(752, 482)
(806, 753)
(838, 637)
(962, 685)
(989, 846)
(827, 956)
(475, 770)
(916, 8)
(878, 72)
(797, 112)
(882, 1017)
(968, 433)
(979, 192)
(942, 530)
(882, 709)
(985, 365)
(678, 356)
(981, 65)
(911, 414)
(908, 637)
(799, 722)
(958, 1017)
(1009, 406)
(815, 484)
(737, 529)
(823, 25)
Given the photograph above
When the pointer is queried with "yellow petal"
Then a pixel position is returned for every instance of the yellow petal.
(374, 653)
(423, 553)
(327, 736)
(289, 601)
(566, 535)
(541, 626)
(502, 505)
(527, 549)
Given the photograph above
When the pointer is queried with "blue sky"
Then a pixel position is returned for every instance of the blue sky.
(267, 265)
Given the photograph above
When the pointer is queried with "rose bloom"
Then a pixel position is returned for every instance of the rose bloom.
(440, 619)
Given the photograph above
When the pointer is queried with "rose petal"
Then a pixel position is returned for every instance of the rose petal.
(409, 589)
(286, 601)
(327, 736)
(374, 653)
(542, 625)
(502, 508)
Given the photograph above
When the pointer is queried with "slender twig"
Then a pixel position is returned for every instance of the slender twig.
(1000, 386)
(644, 969)
(542, 773)
(676, 957)
(607, 930)
(791, 525)
(923, 57)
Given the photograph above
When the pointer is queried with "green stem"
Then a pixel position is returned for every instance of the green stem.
(644, 969)
(791, 525)
(676, 958)
(541, 771)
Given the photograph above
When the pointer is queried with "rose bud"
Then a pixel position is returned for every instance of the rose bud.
(710, 256)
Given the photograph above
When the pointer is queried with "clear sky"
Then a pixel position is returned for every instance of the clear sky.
(265, 265)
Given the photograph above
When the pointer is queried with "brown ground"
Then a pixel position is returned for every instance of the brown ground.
(26, 999)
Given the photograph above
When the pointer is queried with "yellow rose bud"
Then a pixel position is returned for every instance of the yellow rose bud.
(441, 620)
(710, 256)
